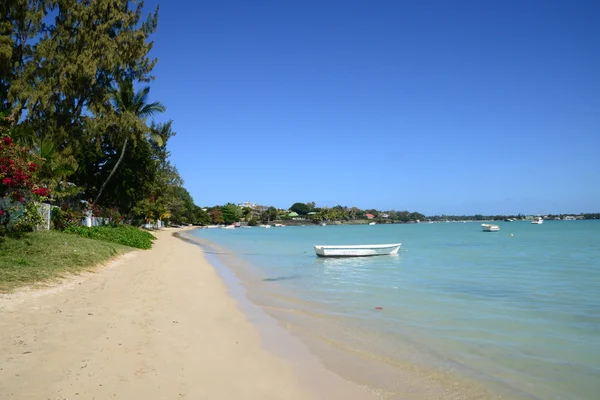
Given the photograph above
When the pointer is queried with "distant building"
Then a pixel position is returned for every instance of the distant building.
(369, 216)
(247, 204)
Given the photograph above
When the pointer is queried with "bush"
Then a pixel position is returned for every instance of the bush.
(65, 218)
(19, 188)
(125, 235)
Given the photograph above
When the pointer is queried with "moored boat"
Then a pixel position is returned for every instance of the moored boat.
(490, 228)
(357, 250)
(537, 220)
(371, 223)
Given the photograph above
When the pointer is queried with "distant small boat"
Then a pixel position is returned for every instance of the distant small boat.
(265, 226)
(490, 228)
(509, 220)
(323, 224)
(537, 220)
(357, 250)
(372, 223)
(212, 226)
(279, 225)
(228, 226)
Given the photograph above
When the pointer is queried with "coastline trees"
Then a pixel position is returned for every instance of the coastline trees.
(300, 208)
(131, 111)
(67, 76)
(231, 213)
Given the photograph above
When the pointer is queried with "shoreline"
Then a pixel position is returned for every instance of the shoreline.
(386, 377)
(159, 325)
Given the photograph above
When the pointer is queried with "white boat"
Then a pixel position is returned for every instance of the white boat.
(357, 250)
(265, 226)
(490, 228)
(509, 220)
(232, 226)
(212, 226)
(323, 224)
(372, 223)
(537, 220)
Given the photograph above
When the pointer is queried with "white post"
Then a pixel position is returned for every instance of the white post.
(88, 219)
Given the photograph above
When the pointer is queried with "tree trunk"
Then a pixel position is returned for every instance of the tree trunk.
(113, 170)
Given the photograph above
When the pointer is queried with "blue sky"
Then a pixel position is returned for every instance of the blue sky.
(438, 107)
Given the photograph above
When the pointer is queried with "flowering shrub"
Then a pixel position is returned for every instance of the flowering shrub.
(19, 187)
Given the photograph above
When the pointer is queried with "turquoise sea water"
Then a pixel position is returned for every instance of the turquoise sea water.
(518, 312)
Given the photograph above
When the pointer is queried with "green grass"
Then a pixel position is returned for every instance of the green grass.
(126, 235)
(44, 256)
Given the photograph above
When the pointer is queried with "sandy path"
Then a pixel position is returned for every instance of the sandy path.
(159, 325)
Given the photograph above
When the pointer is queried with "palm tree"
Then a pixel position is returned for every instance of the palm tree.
(57, 167)
(132, 109)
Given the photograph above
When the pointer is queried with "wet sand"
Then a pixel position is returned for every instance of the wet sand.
(387, 368)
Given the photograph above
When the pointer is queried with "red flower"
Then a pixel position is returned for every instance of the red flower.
(7, 140)
(6, 181)
(41, 192)
(1, 212)
(33, 167)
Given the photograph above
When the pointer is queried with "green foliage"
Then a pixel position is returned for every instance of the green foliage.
(65, 218)
(270, 214)
(253, 222)
(125, 235)
(131, 110)
(68, 73)
(231, 213)
(26, 222)
(180, 205)
(300, 208)
(201, 217)
(48, 255)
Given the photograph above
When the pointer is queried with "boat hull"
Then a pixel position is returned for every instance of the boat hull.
(490, 228)
(358, 250)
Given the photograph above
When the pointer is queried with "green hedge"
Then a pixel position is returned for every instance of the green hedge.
(126, 235)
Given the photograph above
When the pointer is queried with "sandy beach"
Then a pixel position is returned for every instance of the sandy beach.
(157, 324)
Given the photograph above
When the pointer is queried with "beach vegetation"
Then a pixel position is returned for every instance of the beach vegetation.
(46, 256)
(231, 213)
(131, 109)
(270, 214)
(300, 208)
(125, 235)
(216, 215)
(74, 90)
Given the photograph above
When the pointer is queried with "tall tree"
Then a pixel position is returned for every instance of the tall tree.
(231, 213)
(132, 109)
(300, 208)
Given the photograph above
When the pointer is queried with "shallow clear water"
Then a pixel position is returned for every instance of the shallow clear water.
(521, 311)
